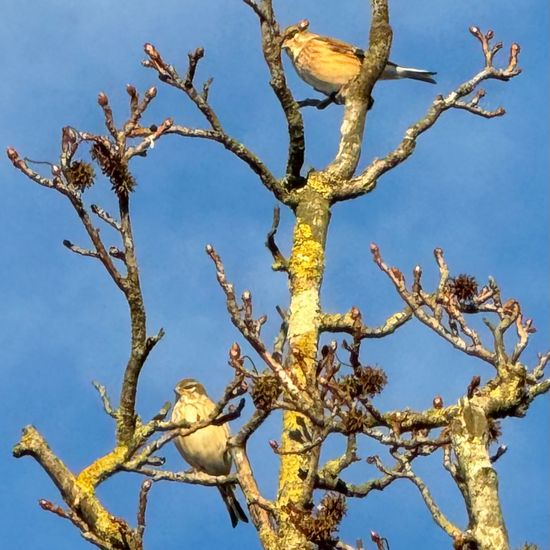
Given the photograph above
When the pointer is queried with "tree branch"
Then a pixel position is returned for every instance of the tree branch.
(404, 470)
(247, 329)
(107, 407)
(271, 47)
(357, 97)
(168, 74)
(417, 301)
(367, 180)
(82, 502)
(336, 322)
(280, 263)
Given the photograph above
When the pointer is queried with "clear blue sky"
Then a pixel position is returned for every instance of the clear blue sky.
(476, 188)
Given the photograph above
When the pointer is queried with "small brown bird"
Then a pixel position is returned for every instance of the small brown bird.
(206, 449)
(328, 64)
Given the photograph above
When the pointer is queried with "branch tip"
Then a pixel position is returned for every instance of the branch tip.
(102, 99)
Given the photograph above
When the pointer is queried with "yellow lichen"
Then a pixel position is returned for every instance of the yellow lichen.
(306, 261)
(101, 468)
(320, 183)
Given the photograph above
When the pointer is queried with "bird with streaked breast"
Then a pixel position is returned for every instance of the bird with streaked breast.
(329, 65)
(206, 449)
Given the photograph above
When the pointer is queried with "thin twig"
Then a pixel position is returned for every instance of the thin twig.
(142, 507)
(107, 407)
(280, 263)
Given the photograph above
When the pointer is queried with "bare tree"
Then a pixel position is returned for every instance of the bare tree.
(301, 377)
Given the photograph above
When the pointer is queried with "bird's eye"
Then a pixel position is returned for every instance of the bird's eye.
(290, 33)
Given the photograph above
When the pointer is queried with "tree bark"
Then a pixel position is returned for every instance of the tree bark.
(306, 267)
(470, 436)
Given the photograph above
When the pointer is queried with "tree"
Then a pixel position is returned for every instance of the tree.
(305, 377)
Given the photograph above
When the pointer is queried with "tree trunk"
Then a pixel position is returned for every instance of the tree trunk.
(306, 268)
(470, 435)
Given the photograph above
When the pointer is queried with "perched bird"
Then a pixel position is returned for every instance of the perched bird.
(206, 449)
(328, 64)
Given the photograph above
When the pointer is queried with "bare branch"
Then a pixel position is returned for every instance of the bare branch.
(538, 371)
(93, 233)
(238, 149)
(358, 95)
(167, 73)
(335, 322)
(280, 263)
(78, 250)
(333, 468)
(22, 166)
(523, 330)
(404, 470)
(256, 420)
(75, 520)
(150, 135)
(107, 407)
(280, 339)
(432, 321)
(500, 111)
(75, 199)
(192, 478)
(142, 507)
(319, 104)
(353, 490)
(271, 46)
(261, 510)
(258, 10)
(103, 101)
(252, 337)
(539, 389)
(137, 108)
(83, 504)
(367, 180)
(105, 216)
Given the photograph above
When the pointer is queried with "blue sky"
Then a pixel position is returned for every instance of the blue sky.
(476, 188)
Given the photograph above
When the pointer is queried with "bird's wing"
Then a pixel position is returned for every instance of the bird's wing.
(340, 47)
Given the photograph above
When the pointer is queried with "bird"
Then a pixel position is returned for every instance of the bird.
(206, 449)
(329, 65)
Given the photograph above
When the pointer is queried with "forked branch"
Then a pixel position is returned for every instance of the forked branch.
(367, 180)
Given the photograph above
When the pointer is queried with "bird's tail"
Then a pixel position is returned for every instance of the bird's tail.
(236, 513)
(395, 71)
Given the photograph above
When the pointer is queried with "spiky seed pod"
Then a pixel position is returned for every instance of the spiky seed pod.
(371, 379)
(333, 508)
(464, 287)
(495, 430)
(265, 391)
(115, 169)
(365, 382)
(321, 527)
(350, 386)
(80, 174)
(123, 181)
(354, 421)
